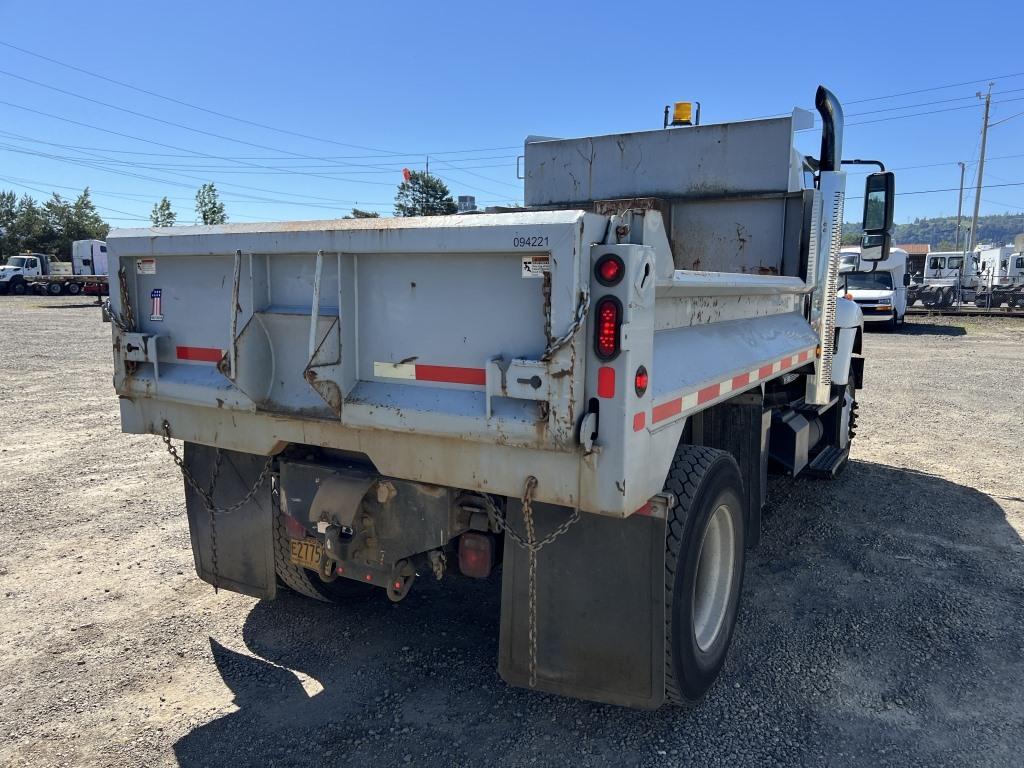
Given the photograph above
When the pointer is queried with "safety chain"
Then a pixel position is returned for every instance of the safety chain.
(206, 494)
(532, 545)
(125, 323)
(111, 314)
(579, 318)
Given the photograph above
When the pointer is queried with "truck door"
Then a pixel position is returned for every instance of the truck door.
(99, 258)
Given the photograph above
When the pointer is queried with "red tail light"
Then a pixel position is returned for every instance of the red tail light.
(640, 381)
(476, 555)
(609, 269)
(608, 320)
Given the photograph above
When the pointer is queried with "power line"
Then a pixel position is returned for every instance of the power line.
(934, 88)
(245, 121)
(172, 146)
(334, 204)
(1003, 120)
(946, 189)
(327, 160)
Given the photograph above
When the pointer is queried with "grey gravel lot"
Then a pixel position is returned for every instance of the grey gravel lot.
(882, 620)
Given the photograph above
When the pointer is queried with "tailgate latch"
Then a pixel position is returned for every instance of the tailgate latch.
(517, 379)
(140, 348)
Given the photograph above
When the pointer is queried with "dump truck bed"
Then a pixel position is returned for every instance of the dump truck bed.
(370, 336)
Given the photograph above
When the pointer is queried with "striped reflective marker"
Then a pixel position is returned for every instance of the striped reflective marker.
(445, 374)
(736, 383)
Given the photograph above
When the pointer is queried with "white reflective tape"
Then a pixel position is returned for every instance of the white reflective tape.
(778, 366)
(395, 370)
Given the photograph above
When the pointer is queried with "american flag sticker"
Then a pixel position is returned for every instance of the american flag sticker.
(156, 296)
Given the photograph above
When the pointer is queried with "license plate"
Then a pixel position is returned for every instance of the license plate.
(306, 552)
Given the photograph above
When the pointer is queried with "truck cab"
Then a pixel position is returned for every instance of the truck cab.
(881, 292)
(14, 273)
(89, 257)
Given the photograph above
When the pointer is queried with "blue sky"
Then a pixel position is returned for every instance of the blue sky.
(375, 87)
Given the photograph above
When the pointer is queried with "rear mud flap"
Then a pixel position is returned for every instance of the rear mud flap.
(600, 608)
(245, 536)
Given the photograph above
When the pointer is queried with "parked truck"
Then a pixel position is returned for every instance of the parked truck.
(588, 392)
(17, 274)
(1000, 277)
(879, 288)
(87, 272)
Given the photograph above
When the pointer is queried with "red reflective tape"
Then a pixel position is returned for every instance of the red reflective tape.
(450, 374)
(605, 381)
(201, 354)
(645, 510)
(804, 355)
(764, 371)
(666, 410)
(640, 420)
(740, 381)
(708, 393)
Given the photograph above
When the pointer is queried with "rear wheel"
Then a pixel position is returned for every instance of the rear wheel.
(302, 580)
(704, 554)
(74, 289)
(54, 289)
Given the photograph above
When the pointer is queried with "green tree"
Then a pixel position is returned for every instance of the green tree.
(162, 215)
(69, 221)
(209, 208)
(32, 229)
(423, 195)
(358, 213)
(8, 215)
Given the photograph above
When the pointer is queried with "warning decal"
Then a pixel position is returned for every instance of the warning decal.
(145, 266)
(536, 265)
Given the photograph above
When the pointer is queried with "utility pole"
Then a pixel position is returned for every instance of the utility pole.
(973, 240)
(960, 204)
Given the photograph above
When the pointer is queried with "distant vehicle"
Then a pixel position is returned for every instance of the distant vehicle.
(881, 293)
(16, 274)
(1001, 277)
(38, 272)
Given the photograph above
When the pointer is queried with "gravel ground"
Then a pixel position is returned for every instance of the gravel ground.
(881, 623)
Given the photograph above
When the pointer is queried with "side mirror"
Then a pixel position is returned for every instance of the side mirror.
(906, 279)
(879, 199)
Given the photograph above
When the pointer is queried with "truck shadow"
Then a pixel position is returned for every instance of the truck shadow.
(911, 328)
(882, 613)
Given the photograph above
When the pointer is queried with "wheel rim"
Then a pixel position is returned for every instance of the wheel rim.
(713, 584)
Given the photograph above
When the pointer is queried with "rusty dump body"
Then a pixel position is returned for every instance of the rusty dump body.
(401, 381)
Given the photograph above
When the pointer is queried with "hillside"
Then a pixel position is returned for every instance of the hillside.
(1001, 228)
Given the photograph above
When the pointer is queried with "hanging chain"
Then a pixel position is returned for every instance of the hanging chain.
(125, 322)
(578, 319)
(532, 545)
(206, 494)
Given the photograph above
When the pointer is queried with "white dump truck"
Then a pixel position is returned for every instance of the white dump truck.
(588, 392)
(17, 274)
(879, 288)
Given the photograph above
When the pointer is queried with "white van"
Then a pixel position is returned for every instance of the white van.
(881, 293)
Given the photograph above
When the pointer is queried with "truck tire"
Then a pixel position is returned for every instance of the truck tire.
(18, 287)
(704, 556)
(303, 581)
(74, 289)
(54, 289)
